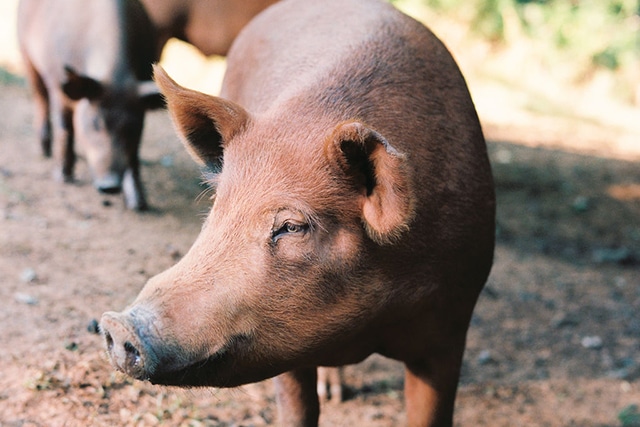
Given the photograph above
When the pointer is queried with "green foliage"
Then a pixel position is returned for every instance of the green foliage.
(8, 78)
(629, 416)
(605, 33)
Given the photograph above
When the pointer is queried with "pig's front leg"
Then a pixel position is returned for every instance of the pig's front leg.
(430, 390)
(63, 140)
(297, 398)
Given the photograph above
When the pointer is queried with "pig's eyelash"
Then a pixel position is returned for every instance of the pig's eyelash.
(313, 222)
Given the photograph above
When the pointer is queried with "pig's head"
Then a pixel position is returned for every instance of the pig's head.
(282, 273)
(107, 123)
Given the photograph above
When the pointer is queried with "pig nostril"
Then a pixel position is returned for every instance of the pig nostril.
(129, 348)
(109, 340)
(132, 352)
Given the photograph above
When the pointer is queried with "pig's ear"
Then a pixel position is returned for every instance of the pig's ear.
(77, 86)
(205, 123)
(379, 173)
(150, 95)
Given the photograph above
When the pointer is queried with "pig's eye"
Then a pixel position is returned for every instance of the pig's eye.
(289, 228)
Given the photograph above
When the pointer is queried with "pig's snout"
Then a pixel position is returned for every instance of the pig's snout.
(109, 184)
(124, 346)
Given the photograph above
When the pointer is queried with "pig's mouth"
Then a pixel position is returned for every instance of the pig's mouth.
(222, 369)
(195, 374)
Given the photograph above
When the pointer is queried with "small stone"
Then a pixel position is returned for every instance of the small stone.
(71, 346)
(5, 173)
(581, 204)
(620, 256)
(25, 298)
(593, 342)
(174, 252)
(93, 327)
(504, 156)
(562, 320)
(28, 275)
(485, 357)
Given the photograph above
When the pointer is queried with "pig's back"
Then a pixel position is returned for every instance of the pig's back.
(319, 63)
(291, 44)
(350, 59)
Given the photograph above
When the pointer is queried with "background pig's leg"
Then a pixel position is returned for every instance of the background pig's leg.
(323, 383)
(297, 398)
(132, 187)
(63, 143)
(330, 380)
(41, 100)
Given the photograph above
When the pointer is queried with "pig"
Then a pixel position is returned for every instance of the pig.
(89, 65)
(354, 213)
(209, 25)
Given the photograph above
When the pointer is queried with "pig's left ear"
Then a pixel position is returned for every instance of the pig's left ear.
(150, 96)
(77, 86)
(205, 123)
(380, 175)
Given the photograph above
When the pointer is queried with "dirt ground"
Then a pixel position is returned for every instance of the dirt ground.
(555, 339)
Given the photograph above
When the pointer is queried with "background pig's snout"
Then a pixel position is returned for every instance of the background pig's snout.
(123, 345)
(110, 183)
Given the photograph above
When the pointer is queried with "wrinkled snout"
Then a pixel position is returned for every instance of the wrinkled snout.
(124, 346)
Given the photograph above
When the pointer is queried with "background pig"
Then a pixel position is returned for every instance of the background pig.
(353, 214)
(89, 66)
(209, 25)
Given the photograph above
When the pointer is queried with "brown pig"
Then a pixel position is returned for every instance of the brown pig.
(89, 66)
(209, 25)
(353, 214)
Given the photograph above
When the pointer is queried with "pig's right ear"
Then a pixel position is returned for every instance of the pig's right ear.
(205, 123)
(380, 176)
(77, 86)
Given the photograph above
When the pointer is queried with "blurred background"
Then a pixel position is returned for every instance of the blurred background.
(555, 63)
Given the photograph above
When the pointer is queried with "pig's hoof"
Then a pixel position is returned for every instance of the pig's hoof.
(64, 177)
(134, 200)
(46, 150)
(133, 193)
(138, 205)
